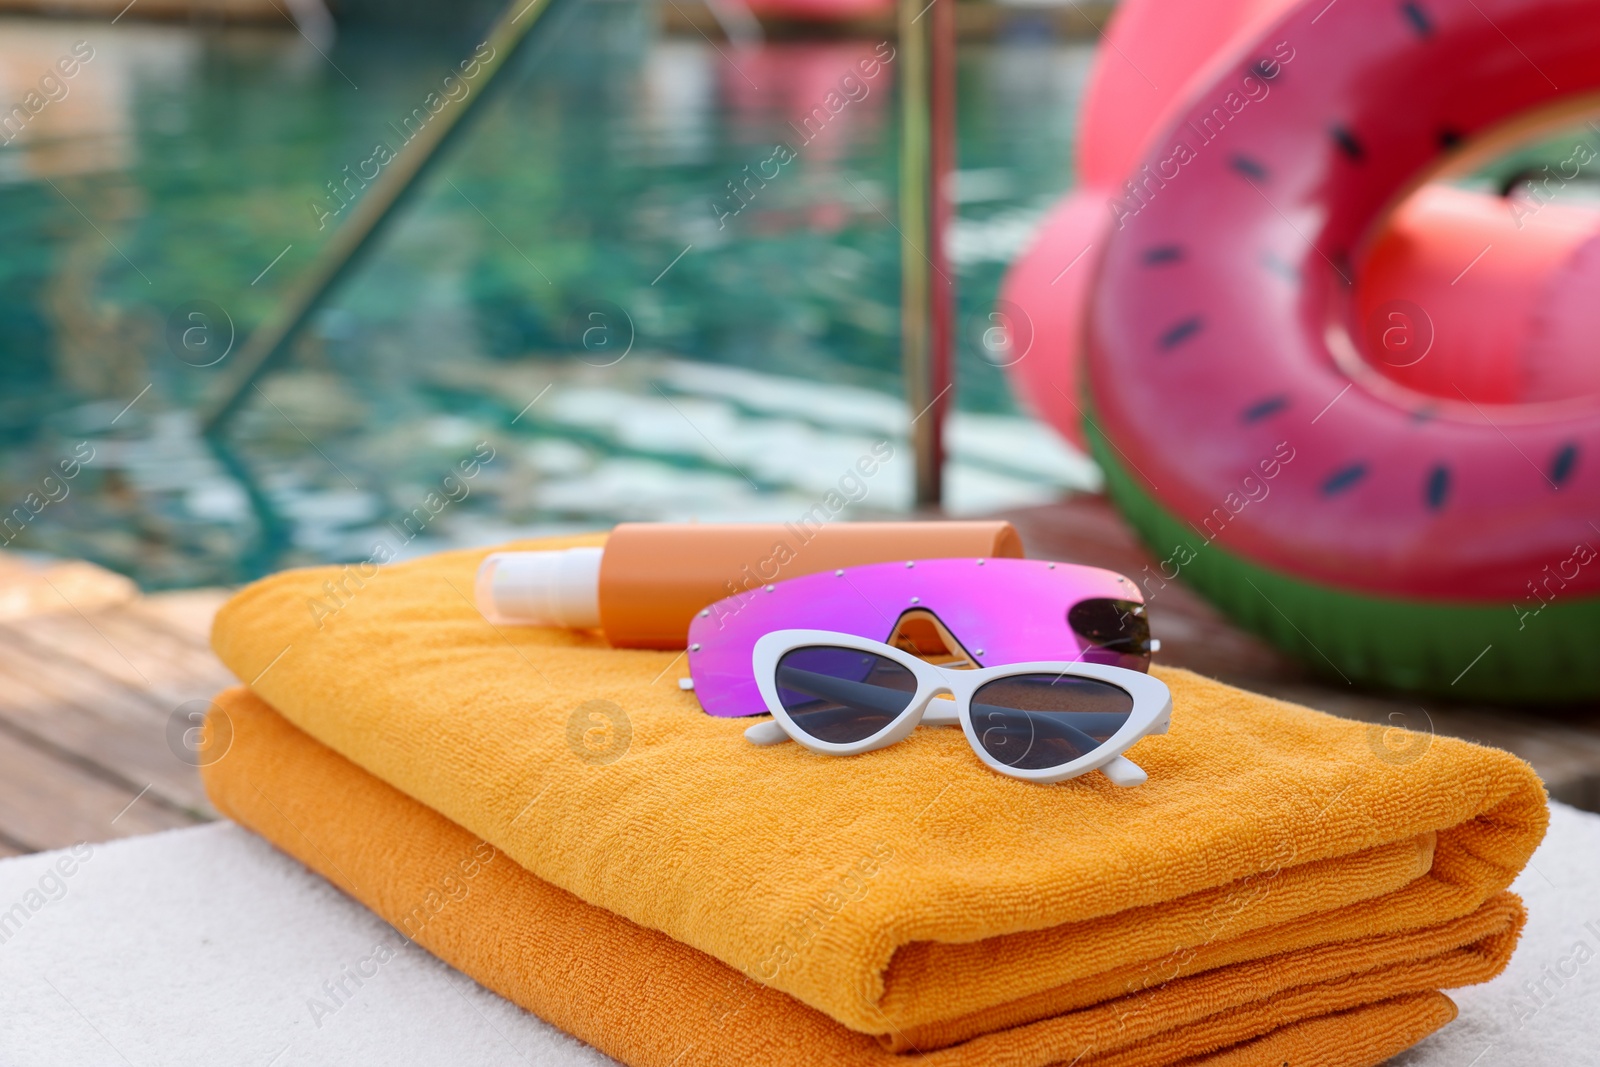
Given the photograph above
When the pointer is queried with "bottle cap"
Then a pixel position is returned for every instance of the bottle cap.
(558, 588)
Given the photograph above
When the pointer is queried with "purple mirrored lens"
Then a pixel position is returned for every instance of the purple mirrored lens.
(1000, 610)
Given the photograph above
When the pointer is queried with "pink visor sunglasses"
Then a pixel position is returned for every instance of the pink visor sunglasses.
(956, 613)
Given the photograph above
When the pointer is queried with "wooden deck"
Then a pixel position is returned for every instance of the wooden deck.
(95, 680)
(86, 696)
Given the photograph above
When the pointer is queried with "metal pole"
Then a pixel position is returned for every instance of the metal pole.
(268, 345)
(927, 287)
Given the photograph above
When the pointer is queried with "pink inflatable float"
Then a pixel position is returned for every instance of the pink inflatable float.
(1366, 423)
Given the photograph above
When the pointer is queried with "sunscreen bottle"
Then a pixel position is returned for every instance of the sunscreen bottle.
(645, 585)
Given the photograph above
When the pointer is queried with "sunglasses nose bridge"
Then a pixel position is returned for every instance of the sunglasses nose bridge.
(933, 680)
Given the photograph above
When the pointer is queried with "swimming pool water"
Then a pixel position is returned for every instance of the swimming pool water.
(658, 278)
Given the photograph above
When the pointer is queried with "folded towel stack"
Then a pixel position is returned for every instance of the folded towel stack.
(558, 820)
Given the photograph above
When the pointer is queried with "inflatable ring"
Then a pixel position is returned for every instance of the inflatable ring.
(1422, 541)
(1152, 50)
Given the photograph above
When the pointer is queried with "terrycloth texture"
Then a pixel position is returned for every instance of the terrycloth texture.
(906, 888)
(650, 1001)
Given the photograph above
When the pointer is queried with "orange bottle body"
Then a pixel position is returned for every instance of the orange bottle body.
(655, 576)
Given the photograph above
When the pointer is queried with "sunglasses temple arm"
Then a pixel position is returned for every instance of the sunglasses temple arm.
(1124, 772)
(766, 733)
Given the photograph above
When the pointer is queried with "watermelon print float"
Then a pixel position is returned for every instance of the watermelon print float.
(1390, 472)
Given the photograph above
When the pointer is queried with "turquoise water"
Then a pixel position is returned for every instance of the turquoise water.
(575, 306)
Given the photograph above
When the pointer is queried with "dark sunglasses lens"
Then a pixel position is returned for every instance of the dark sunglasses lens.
(1115, 631)
(1036, 721)
(842, 695)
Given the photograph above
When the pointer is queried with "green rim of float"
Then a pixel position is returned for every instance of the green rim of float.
(1463, 650)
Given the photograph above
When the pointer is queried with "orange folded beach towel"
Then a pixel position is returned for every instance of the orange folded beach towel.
(908, 893)
(653, 1002)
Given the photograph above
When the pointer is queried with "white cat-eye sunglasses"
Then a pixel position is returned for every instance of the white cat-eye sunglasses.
(839, 695)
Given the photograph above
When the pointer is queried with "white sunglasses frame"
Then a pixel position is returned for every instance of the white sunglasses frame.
(1152, 706)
